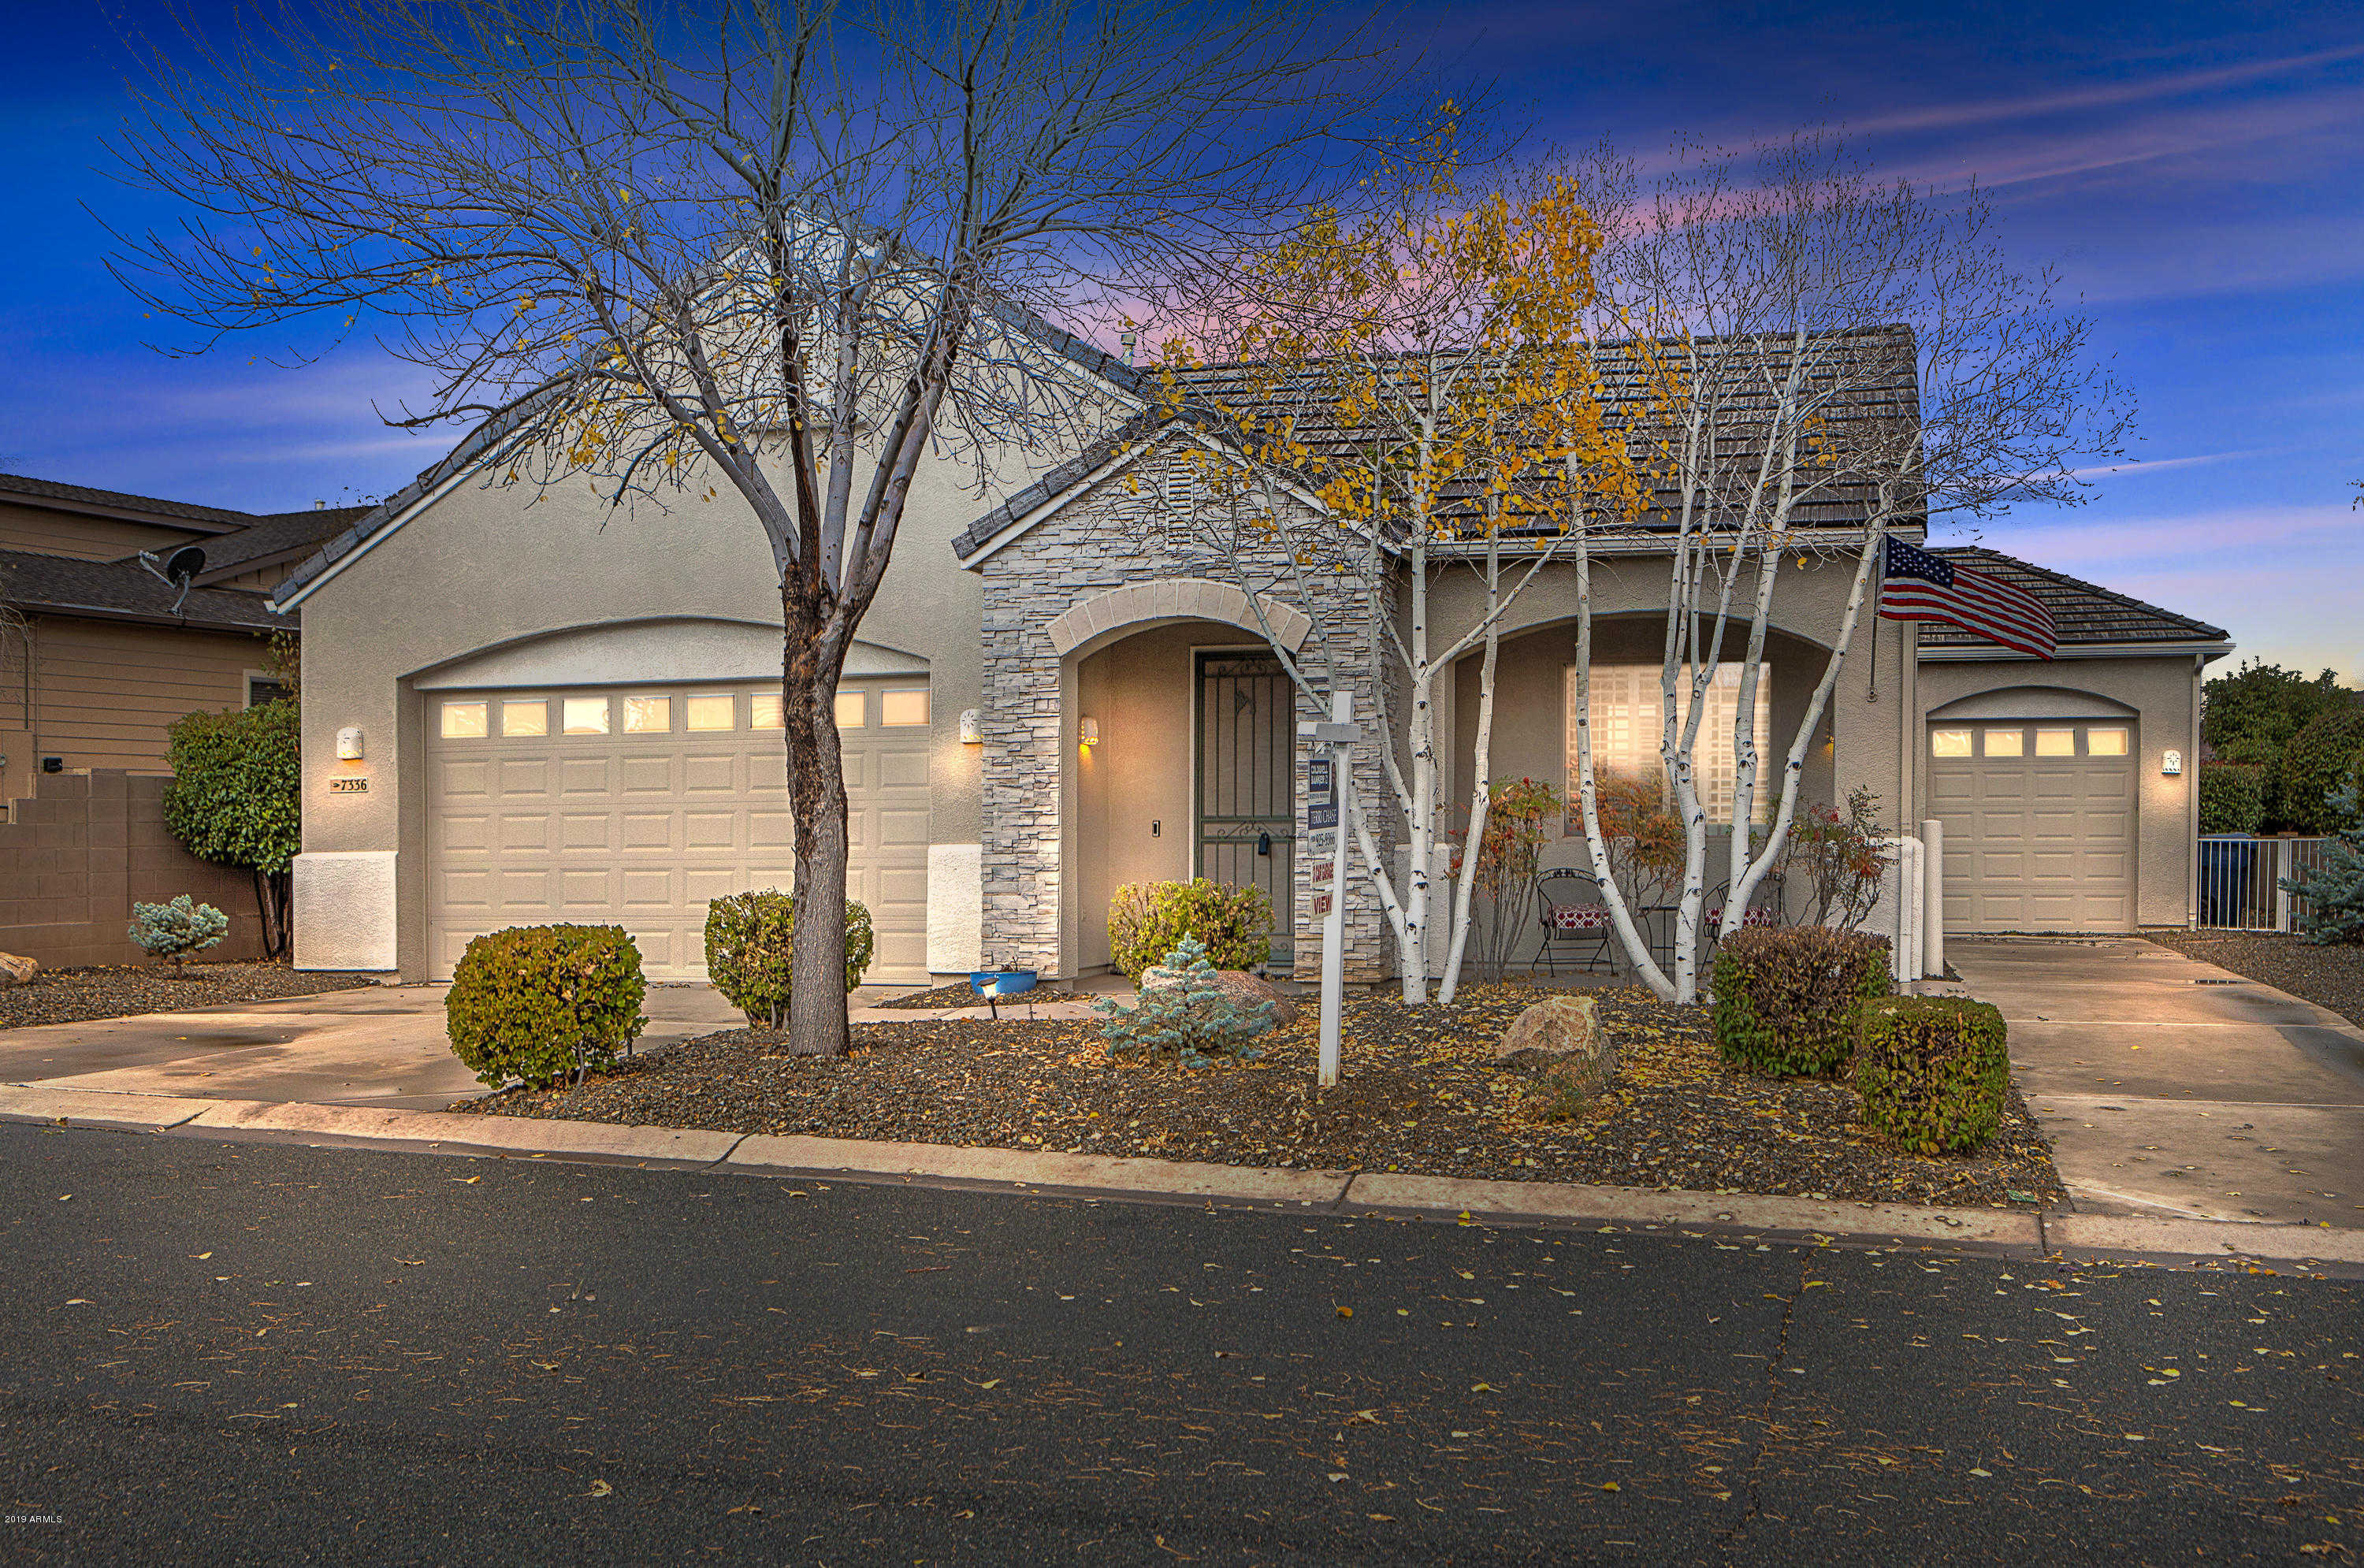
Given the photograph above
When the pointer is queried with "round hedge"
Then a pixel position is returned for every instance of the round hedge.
(750, 951)
(1933, 1071)
(539, 1003)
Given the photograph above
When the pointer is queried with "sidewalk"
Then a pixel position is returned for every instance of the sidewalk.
(2174, 1088)
(1102, 1177)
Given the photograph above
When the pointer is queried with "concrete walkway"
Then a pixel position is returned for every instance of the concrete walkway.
(378, 1045)
(2172, 1088)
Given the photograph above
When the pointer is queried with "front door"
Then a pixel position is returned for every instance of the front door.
(1247, 808)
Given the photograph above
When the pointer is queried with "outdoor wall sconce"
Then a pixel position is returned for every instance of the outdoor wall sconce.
(972, 728)
(348, 745)
(2172, 764)
(1087, 732)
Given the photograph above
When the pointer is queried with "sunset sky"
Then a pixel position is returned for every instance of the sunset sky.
(2196, 172)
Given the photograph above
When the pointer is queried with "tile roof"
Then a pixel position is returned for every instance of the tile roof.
(2082, 612)
(124, 590)
(1887, 391)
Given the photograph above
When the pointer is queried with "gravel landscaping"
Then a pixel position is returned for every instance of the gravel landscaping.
(941, 998)
(1422, 1092)
(2329, 977)
(77, 995)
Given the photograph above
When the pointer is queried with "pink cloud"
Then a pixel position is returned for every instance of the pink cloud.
(1936, 116)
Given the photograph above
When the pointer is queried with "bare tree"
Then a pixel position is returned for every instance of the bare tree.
(1827, 358)
(778, 246)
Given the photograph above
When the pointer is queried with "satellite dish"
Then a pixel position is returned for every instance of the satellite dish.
(178, 569)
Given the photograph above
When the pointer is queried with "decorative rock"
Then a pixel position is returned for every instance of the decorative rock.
(1237, 984)
(1563, 1037)
(1245, 988)
(14, 971)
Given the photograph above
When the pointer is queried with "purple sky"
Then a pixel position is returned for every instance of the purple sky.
(2197, 172)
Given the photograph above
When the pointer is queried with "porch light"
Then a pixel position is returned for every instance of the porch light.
(1087, 732)
(349, 744)
(972, 728)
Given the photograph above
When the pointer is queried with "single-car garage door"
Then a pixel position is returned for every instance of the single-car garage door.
(634, 807)
(2039, 824)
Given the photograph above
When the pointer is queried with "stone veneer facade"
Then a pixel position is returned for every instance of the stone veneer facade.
(1115, 534)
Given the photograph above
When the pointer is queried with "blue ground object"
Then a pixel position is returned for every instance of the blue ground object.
(993, 985)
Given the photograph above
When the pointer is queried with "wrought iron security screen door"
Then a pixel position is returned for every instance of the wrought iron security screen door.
(1247, 807)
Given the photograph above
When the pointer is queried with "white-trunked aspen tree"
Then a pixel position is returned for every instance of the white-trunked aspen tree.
(1407, 384)
(778, 247)
(1825, 358)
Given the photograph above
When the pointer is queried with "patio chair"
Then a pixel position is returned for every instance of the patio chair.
(1764, 907)
(1572, 915)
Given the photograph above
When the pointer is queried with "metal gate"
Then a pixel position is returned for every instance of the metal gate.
(2241, 881)
(1247, 808)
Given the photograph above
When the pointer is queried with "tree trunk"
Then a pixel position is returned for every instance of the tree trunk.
(817, 1017)
(271, 901)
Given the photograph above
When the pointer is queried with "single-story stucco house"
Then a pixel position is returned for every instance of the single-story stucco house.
(522, 707)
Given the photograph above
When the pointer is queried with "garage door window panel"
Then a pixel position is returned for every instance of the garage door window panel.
(2005, 744)
(648, 715)
(2105, 742)
(901, 709)
(852, 707)
(2056, 742)
(526, 717)
(463, 721)
(711, 712)
(585, 716)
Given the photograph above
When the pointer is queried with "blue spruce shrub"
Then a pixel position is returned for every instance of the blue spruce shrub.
(2335, 889)
(1193, 1021)
(175, 930)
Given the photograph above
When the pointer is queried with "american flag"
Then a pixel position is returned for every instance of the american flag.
(1917, 585)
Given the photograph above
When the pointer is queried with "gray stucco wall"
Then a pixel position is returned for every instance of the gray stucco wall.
(2160, 691)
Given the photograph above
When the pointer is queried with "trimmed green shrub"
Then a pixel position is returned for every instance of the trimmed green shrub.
(2316, 762)
(1193, 1020)
(236, 800)
(750, 949)
(175, 930)
(1933, 1071)
(2232, 798)
(541, 1002)
(1148, 920)
(1785, 997)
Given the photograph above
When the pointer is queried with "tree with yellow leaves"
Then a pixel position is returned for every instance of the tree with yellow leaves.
(1416, 384)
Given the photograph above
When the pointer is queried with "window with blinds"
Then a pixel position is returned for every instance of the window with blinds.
(1628, 721)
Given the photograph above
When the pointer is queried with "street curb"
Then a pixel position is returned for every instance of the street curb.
(1090, 1175)
(1130, 1179)
(1543, 1202)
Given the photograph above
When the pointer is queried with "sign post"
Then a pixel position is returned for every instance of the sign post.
(1328, 780)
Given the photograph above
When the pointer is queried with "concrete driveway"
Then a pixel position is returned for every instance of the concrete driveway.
(378, 1045)
(2170, 1087)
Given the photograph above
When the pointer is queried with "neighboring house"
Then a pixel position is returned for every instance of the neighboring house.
(101, 657)
(570, 714)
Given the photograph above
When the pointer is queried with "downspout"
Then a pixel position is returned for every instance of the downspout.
(2191, 805)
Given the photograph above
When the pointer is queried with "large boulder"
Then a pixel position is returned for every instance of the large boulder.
(16, 970)
(1562, 1038)
(1238, 985)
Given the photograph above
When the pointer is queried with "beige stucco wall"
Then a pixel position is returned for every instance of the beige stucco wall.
(1139, 690)
(2160, 692)
(1861, 740)
(484, 567)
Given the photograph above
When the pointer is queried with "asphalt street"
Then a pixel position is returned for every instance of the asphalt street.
(241, 1353)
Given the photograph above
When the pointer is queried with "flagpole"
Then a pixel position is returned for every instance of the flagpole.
(1871, 676)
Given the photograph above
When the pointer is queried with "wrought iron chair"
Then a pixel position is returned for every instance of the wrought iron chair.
(1572, 915)
(1765, 908)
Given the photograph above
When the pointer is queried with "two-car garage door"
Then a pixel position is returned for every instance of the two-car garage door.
(634, 807)
(2039, 824)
